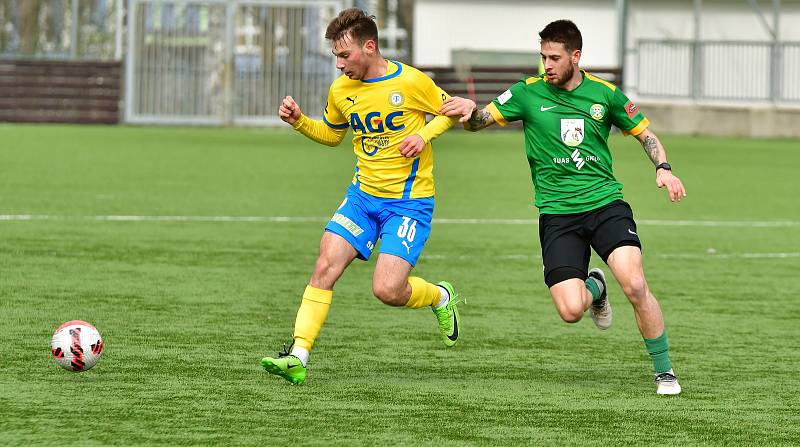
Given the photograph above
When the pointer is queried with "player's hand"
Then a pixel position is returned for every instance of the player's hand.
(665, 178)
(412, 146)
(289, 111)
(457, 106)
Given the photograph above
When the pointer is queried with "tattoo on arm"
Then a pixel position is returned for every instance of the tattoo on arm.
(478, 120)
(650, 145)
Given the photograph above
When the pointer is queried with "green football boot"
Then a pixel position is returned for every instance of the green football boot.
(287, 366)
(447, 316)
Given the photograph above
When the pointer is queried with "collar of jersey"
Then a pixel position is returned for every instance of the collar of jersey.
(387, 76)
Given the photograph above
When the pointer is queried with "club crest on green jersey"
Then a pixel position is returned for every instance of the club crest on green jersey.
(572, 131)
(597, 111)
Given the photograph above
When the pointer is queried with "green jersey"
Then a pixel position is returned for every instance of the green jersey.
(566, 139)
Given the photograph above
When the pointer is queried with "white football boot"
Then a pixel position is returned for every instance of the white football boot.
(667, 383)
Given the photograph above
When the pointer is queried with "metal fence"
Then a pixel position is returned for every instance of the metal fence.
(737, 71)
(225, 62)
(61, 29)
(230, 62)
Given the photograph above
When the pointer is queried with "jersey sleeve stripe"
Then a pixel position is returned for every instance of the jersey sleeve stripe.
(410, 180)
(335, 126)
(594, 78)
(643, 124)
(498, 117)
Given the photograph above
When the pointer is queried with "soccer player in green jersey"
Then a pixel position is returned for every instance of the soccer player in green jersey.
(567, 115)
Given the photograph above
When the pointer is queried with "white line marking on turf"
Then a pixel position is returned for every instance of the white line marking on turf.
(300, 219)
(728, 255)
(657, 255)
(129, 218)
(296, 219)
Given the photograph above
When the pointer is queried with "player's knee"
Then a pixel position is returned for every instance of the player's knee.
(570, 308)
(635, 288)
(571, 314)
(325, 271)
(388, 294)
(323, 267)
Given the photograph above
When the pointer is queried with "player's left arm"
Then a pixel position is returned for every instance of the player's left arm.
(413, 145)
(664, 177)
(425, 96)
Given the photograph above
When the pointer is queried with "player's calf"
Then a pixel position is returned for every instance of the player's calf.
(389, 294)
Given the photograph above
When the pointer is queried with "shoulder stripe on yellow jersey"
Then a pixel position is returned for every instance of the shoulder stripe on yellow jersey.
(498, 117)
(594, 78)
(388, 76)
(410, 181)
(335, 126)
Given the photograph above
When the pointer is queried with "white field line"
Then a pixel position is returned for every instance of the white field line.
(521, 257)
(705, 256)
(446, 221)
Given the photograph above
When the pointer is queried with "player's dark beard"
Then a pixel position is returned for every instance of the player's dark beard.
(562, 80)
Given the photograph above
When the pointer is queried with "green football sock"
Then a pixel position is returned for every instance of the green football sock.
(658, 348)
(593, 288)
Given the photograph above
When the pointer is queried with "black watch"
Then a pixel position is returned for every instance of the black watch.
(664, 165)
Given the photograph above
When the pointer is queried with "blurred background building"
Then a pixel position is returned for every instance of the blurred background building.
(733, 63)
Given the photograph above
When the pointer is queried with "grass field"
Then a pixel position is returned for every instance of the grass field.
(188, 307)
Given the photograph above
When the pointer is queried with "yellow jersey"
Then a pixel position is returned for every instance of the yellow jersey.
(382, 112)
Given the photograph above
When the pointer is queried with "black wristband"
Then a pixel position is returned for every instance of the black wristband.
(664, 165)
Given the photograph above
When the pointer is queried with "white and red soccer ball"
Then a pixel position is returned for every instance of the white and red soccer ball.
(76, 345)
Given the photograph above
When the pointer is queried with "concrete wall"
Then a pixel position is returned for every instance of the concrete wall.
(719, 20)
(511, 25)
(514, 25)
(763, 121)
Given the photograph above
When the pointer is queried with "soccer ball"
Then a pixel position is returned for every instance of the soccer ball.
(77, 346)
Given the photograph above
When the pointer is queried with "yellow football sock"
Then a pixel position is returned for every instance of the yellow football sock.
(311, 316)
(423, 293)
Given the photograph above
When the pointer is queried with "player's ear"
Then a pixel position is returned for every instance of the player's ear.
(576, 56)
(370, 46)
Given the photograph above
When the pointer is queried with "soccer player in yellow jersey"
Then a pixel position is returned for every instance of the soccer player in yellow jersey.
(391, 197)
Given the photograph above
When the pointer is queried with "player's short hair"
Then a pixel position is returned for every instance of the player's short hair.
(563, 31)
(354, 22)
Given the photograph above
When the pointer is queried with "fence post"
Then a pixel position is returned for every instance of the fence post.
(118, 35)
(777, 54)
(130, 61)
(229, 69)
(776, 69)
(76, 20)
(697, 70)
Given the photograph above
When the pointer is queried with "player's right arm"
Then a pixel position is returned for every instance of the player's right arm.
(319, 131)
(509, 106)
(473, 119)
(480, 119)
